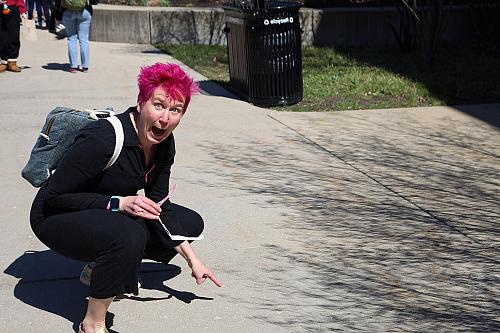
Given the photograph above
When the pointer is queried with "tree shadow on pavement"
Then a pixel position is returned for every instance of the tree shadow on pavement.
(489, 114)
(379, 236)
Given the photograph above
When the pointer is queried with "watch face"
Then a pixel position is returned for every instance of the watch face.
(114, 204)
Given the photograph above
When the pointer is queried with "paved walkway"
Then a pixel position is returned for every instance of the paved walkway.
(372, 221)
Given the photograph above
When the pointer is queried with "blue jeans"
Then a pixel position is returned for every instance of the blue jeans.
(77, 24)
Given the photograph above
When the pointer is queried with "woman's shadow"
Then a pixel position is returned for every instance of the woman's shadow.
(50, 282)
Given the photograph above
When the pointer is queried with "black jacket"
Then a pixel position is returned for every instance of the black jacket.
(80, 182)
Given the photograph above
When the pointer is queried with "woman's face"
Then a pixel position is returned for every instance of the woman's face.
(158, 117)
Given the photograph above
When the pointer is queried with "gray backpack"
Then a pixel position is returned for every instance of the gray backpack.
(58, 134)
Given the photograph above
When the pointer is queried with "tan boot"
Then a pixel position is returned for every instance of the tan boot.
(3, 67)
(13, 66)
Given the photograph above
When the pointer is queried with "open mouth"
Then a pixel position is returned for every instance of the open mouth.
(158, 131)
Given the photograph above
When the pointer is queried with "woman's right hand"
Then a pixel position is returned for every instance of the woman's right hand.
(140, 206)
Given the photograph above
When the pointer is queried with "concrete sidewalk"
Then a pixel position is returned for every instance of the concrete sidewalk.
(374, 221)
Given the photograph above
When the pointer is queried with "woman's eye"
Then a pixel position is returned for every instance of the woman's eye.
(175, 110)
(158, 106)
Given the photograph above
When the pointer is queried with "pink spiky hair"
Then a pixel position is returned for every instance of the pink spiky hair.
(176, 83)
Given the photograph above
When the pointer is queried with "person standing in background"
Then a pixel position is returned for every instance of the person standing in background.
(51, 24)
(31, 5)
(77, 22)
(42, 11)
(44, 4)
(56, 20)
(10, 25)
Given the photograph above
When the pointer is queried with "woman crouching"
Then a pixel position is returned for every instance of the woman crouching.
(91, 213)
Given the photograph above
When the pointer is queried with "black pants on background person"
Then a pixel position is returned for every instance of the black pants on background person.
(51, 25)
(9, 34)
(43, 12)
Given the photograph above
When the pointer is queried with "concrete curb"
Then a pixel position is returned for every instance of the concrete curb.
(340, 27)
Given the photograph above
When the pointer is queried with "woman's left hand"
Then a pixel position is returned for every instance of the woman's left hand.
(140, 206)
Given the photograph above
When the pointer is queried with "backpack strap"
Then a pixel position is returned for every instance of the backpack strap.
(117, 125)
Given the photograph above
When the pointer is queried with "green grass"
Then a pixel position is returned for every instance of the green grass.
(371, 78)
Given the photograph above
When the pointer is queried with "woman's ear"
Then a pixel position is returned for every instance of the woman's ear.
(138, 107)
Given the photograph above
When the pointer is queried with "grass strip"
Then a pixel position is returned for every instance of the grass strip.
(372, 77)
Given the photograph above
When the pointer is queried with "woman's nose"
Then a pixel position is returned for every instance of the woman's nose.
(164, 117)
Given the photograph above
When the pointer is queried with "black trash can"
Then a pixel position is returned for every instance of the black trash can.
(264, 51)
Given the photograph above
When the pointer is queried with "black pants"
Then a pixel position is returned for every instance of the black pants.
(51, 25)
(116, 242)
(42, 9)
(9, 34)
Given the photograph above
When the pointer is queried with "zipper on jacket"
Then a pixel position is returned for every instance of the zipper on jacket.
(147, 173)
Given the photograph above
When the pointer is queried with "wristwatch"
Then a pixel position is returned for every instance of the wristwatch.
(114, 203)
